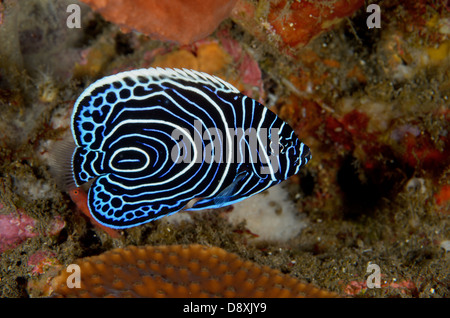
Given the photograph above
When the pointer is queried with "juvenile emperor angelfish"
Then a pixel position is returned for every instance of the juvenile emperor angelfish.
(154, 139)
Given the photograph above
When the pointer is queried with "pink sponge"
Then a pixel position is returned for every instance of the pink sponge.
(16, 227)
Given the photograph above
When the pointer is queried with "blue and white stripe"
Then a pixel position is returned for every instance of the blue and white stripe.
(123, 129)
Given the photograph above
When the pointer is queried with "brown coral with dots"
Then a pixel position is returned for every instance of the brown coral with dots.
(179, 271)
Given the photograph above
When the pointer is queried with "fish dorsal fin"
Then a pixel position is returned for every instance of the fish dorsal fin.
(158, 75)
(193, 76)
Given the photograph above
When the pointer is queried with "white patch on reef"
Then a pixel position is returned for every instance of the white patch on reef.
(272, 215)
(445, 245)
(32, 189)
(178, 218)
(444, 26)
(60, 120)
(416, 184)
(403, 72)
(379, 113)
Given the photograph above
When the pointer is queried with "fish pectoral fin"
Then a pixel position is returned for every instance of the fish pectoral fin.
(191, 203)
(208, 203)
(228, 193)
(199, 204)
(220, 200)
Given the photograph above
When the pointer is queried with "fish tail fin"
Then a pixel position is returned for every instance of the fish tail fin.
(60, 161)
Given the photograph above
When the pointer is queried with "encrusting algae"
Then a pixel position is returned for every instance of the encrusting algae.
(192, 271)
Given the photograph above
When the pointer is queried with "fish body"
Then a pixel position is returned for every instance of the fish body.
(154, 139)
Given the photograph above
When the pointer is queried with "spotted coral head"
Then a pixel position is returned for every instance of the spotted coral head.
(179, 271)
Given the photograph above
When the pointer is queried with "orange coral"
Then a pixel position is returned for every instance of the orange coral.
(294, 22)
(177, 20)
(443, 196)
(209, 57)
(179, 271)
(216, 58)
(298, 22)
